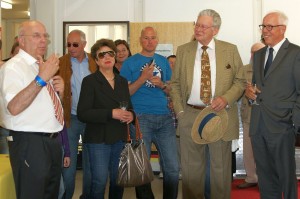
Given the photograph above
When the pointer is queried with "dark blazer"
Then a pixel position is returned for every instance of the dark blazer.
(279, 101)
(96, 101)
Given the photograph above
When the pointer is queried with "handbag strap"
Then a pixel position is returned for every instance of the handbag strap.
(128, 134)
(138, 133)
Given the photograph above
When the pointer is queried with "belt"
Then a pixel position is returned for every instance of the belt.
(197, 107)
(50, 135)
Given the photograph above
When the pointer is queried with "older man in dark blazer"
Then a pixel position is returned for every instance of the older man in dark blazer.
(276, 70)
(227, 87)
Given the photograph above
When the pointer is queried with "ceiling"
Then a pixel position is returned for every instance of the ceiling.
(18, 11)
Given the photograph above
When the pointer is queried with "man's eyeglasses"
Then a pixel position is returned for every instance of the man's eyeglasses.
(75, 45)
(203, 27)
(39, 36)
(268, 27)
(102, 54)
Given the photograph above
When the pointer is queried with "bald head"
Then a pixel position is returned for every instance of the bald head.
(255, 47)
(33, 38)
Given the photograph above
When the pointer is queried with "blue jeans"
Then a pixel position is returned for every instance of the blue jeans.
(3, 142)
(104, 159)
(160, 130)
(76, 129)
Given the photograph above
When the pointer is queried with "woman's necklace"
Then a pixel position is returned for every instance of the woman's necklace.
(110, 79)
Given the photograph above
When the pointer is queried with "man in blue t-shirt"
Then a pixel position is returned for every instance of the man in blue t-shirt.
(148, 75)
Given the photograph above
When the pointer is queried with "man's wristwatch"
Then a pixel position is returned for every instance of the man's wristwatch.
(38, 83)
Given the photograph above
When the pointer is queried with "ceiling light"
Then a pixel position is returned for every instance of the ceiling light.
(6, 5)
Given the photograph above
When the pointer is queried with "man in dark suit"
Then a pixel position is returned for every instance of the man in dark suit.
(276, 70)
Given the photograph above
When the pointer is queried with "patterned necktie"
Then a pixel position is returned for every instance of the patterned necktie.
(269, 60)
(205, 90)
(57, 105)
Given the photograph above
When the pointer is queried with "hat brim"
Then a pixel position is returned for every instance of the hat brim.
(218, 126)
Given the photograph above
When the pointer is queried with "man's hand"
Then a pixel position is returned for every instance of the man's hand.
(218, 103)
(48, 68)
(155, 80)
(250, 91)
(58, 85)
(147, 73)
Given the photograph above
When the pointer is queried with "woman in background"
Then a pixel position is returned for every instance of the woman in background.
(123, 52)
(106, 124)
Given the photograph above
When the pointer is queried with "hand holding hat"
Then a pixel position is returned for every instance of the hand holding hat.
(209, 126)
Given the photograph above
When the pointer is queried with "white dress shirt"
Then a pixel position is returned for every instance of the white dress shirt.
(276, 49)
(195, 92)
(15, 75)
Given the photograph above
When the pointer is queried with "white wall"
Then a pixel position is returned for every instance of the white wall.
(237, 17)
(240, 17)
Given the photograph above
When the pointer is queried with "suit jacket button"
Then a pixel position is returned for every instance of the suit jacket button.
(260, 100)
(263, 85)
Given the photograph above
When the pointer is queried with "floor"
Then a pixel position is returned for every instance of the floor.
(129, 193)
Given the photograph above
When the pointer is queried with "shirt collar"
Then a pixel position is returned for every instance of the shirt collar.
(210, 46)
(27, 57)
(86, 58)
(278, 45)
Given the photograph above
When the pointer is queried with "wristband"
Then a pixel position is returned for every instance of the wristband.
(39, 81)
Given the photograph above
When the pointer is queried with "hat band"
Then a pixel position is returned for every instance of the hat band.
(204, 121)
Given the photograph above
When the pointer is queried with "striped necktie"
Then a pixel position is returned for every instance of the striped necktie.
(59, 114)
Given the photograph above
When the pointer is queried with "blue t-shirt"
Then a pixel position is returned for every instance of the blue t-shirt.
(148, 99)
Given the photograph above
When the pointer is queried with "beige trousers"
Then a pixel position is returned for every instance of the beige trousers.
(193, 162)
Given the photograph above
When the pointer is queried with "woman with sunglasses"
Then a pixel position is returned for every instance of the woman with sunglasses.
(106, 124)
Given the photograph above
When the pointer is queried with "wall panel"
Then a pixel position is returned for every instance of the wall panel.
(176, 33)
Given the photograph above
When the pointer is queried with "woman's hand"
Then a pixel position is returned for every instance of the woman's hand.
(123, 115)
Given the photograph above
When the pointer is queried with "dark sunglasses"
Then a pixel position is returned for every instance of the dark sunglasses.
(75, 45)
(102, 54)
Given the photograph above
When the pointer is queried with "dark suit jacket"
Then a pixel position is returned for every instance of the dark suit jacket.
(96, 101)
(279, 101)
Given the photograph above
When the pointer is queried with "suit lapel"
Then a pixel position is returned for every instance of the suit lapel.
(105, 87)
(279, 56)
(191, 52)
(220, 62)
(261, 63)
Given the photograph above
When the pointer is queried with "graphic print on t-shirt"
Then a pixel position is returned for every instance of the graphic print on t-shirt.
(157, 71)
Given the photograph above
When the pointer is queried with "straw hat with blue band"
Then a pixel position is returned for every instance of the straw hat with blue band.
(209, 126)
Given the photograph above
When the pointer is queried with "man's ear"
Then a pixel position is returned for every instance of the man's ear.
(215, 31)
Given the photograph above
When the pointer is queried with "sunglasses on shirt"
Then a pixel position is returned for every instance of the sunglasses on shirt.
(102, 54)
(75, 45)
